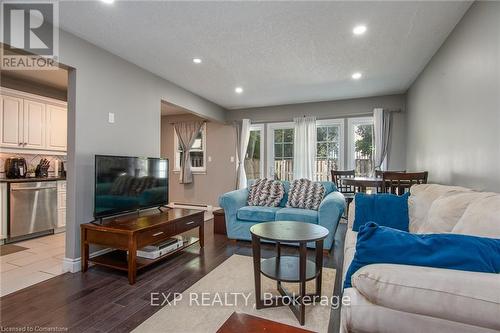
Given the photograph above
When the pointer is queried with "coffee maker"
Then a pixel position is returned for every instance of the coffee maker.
(15, 167)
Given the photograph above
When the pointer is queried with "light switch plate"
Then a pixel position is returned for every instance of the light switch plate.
(232, 159)
(111, 118)
(210, 158)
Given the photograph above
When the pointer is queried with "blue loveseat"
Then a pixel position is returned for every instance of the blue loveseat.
(240, 217)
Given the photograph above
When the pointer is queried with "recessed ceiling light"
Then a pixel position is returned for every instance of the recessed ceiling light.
(108, 1)
(356, 76)
(238, 90)
(359, 30)
(197, 60)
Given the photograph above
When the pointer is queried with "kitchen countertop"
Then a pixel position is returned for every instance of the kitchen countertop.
(26, 180)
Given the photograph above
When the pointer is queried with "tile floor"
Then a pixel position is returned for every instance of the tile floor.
(41, 261)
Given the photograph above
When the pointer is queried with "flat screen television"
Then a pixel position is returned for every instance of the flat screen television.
(124, 184)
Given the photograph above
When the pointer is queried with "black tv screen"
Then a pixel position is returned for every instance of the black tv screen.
(124, 184)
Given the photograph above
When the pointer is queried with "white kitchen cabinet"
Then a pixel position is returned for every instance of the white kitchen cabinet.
(56, 127)
(34, 125)
(3, 211)
(61, 204)
(11, 129)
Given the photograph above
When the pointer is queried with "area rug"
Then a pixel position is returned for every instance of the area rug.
(11, 248)
(207, 304)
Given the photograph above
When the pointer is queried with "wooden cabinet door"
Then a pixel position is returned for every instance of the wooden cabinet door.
(56, 127)
(34, 125)
(11, 117)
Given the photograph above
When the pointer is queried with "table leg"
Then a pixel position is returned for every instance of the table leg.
(256, 271)
(202, 233)
(319, 265)
(132, 259)
(278, 257)
(85, 251)
(302, 275)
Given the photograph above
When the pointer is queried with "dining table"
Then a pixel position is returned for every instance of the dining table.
(362, 183)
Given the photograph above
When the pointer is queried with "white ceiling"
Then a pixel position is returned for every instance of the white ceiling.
(279, 52)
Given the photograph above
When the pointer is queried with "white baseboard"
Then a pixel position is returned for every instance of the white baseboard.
(75, 265)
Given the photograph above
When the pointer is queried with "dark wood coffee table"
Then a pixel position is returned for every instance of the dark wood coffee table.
(245, 323)
(288, 268)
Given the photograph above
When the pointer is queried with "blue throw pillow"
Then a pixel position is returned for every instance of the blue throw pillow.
(388, 210)
(382, 245)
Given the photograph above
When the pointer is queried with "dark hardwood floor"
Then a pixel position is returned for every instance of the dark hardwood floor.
(101, 300)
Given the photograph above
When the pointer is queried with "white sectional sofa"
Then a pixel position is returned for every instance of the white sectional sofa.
(398, 298)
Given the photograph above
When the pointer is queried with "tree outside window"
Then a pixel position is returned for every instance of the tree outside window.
(253, 155)
(363, 147)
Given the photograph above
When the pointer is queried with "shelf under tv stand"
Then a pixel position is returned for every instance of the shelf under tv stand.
(132, 233)
(117, 259)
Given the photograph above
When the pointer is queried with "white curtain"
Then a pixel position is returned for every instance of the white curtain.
(242, 137)
(382, 122)
(304, 152)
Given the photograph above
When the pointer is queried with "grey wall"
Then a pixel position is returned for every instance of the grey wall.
(454, 105)
(102, 83)
(220, 176)
(321, 110)
(340, 109)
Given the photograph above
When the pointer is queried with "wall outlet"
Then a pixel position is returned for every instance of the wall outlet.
(111, 118)
(232, 159)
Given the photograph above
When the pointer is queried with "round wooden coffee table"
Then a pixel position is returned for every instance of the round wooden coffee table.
(288, 268)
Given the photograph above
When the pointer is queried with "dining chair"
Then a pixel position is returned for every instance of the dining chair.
(380, 173)
(347, 190)
(399, 183)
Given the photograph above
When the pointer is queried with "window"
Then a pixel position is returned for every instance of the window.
(254, 161)
(280, 150)
(361, 145)
(329, 147)
(197, 152)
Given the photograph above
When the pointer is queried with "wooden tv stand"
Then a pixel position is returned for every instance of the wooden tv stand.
(128, 233)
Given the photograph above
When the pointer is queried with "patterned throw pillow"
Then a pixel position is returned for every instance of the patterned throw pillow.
(305, 194)
(265, 192)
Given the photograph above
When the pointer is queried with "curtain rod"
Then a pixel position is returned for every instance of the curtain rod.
(325, 117)
(173, 123)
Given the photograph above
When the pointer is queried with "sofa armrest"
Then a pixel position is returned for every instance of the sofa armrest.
(351, 216)
(332, 205)
(330, 211)
(234, 200)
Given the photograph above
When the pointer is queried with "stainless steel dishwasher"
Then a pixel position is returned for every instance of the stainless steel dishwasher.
(33, 209)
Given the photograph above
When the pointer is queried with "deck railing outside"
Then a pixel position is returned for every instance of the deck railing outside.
(283, 169)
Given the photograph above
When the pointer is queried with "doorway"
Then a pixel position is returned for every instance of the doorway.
(33, 198)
